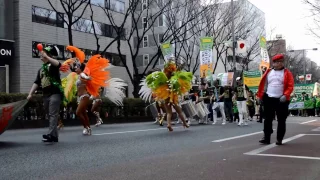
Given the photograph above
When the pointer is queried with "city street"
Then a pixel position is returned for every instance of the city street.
(144, 151)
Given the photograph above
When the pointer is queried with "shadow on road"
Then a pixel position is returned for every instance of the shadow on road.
(11, 144)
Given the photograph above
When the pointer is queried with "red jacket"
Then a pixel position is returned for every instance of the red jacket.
(288, 84)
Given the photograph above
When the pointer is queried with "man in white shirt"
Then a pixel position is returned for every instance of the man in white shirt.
(275, 89)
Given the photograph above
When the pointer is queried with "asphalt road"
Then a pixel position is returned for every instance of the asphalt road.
(144, 151)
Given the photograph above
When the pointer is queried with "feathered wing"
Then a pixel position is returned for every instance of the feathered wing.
(65, 66)
(145, 92)
(79, 54)
(157, 82)
(95, 68)
(114, 91)
(69, 87)
(180, 83)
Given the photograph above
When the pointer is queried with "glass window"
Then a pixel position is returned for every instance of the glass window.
(161, 20)
(161, 38)
(98, 2)
(145, 41)
(35, 52)
(115, 59)
(115, 5)
(144, 4)
(44, 16)
(82, 25)
(98, 27)
(145, 22)
(145, 59)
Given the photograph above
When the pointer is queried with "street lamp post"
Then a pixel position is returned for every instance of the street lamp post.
(233, 43)
(305, 60)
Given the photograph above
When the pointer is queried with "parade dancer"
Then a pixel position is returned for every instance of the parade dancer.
(274, 90)
(91, 77)
(167, 86)
(241, 97)
(146, 94)
(48, 78)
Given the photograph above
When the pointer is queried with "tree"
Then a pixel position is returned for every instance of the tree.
(70, 7)
(315, 14)
(139, 19)
(247, 20)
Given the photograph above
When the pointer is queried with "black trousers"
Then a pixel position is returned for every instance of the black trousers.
(228, 110)
(274, 106)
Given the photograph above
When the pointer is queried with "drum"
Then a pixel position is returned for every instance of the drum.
(189, 109)
(201, 110)
(153, 109)
(205, 107)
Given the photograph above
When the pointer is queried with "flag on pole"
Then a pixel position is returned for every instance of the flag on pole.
(308, 77)
(241, 47)
(265, 61)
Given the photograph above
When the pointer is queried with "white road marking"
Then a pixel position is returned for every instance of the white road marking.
(237, 137)
(308, 121)
(265, 148)
(124, 132)
(290, 156)
(316, 129)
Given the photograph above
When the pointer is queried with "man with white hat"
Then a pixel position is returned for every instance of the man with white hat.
(241, 97)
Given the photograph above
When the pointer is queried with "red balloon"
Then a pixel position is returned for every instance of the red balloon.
(242, 45)
(40, 47)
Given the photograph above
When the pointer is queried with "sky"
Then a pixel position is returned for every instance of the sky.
(291, 22)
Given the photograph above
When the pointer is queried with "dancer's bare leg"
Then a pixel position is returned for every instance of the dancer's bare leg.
(82, 113)
(181, 116)
(167, 106)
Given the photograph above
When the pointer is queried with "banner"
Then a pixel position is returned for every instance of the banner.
(265, 61)
(9, 112)
(206, 57)
(252, 80)
(226, 79)
(300, 88)
(167, 51)
(301, 105)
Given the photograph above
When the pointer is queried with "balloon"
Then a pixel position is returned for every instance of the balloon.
(39, 47)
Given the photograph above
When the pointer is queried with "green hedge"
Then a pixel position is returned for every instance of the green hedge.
(132, 106)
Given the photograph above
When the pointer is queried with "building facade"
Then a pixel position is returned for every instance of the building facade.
(6, 42)
(39, 22)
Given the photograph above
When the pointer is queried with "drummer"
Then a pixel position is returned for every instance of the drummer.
(218, 103)
(203, 95)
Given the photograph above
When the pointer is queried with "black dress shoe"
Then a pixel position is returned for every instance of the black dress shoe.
(279, 143)
(265, 141)
(49, 138)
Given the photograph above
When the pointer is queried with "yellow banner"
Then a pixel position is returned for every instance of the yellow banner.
(252, 82)
(206, 69)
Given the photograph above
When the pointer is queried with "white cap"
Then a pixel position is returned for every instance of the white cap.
(238, 78)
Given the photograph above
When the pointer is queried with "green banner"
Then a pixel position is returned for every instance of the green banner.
(298, 105)
(167, 51)
(300, 88)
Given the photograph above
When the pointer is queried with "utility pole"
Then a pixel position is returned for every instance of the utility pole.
(305, 66)
(233, 43)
